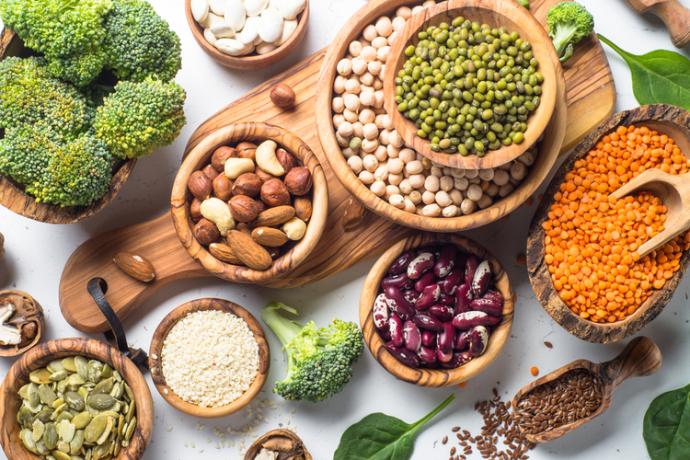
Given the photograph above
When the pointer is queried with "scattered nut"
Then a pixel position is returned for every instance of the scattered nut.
(220, 156)
(295, 229)
(267, 160)
(199, 185)
(286, 159)
(273, 217)
(135, 266)
(243, 208)
(303, 208)
(222, 187)
(275, 193)
(206, 232)
(299, 181)
(218, 212)
(283, 96)
(235, 167)
(269, 237)
(247, 184)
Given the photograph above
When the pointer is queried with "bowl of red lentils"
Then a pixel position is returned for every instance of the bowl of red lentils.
(582, 249)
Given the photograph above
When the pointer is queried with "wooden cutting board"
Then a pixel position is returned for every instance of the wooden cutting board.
(351, 232)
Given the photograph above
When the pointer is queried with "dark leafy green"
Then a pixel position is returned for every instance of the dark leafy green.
(659, 77)
(666, 428)
(382, 437)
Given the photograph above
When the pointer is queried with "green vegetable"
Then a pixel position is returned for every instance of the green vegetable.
(666, 428)
(659, 77)
(382, 437)
(319, 359)
(568, 24)
(136, 118)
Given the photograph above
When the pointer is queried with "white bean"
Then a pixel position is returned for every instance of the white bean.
(443, 199)
(355, 48)
(409, 206)
(405, 186)
(431, 210)
(461, 184)
(416, 180)
(414, 167)
(446, 183)
(432, 184)
(450, 211)
(396, 166)
(392, 190)
(408, 155)
(506, 190)
(381, 173)
(501, 177)
(395, 179)
(468, 206)
(456, 196)
(518, 171)
(486, 174)
(485, 202)
(474, 192)
(428, 197)
(200, 10)
(397, 200)
(369, 32)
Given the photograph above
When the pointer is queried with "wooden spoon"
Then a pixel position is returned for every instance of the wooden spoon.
(640, 358)
(675, 16)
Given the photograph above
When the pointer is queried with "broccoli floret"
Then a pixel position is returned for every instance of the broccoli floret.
(24, 153)
(29, 95)
(139, 117)
(139, 43)
(319, 359)
(568, 24)
(80, 69)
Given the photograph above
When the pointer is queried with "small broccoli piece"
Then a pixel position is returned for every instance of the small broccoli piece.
(136, 118)
(80, 69)
(24, 153)
(568, 24)
(139, 43)
(319, 359)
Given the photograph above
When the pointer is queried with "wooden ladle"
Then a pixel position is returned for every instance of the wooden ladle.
(641, 357)
(675, 16)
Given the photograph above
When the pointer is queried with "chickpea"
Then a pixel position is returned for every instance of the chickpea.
(367, 79)
(383, 137)
(359, 66)
(492, 190)
(346, 129)
(367, 116)
(414, 167)
(486, 174)
(370, 33)
(342, 140)
(366, 177)
(368, 53)
(355, 164)
(397, 200)
(456, 196)
(379, 42)
(381, 173)
(450, 211)
(404, 12)
(392, 190)
(353, 86)
(382, 53)
(374, 68)
(370, 131)
(355, 48)
(417, 9)
(431, 210)
(338, 104)
(349, 153)
(474, 192)
(378, 188)
(357, 129)
(367, 98)
(338, 120)
(350, 115)
(379, 99)
(442, 199)
(471, 173)
(384, 26)
(468, 206)
(339, 84)
(352, 103)
(415, 196)
(344, 67)
(409, 155)
(399, 23)
(378, 84)
(501, 177)
(518, 171)
(382, 122)
(428, 197)
(369, 146)
(392, 152)
(381, 153)
(416, 180)
(395, 179)
(396, 166)
(370, 163)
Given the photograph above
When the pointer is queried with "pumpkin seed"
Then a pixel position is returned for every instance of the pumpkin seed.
(46, 394)
(40, 376)
(27, 439)
(75, 381)
(50, 436)
(64, 415)
(60, 455)
(38, 428)
(106, 433)
(63, 446)
(104, 386)
(81, 420)
(45, 415)
(75, 401)
(55, 366)
(130, 429)
(82, 366)
(77, 442)
(100, 401)
(69, 365)
(66, 430)
(95, 428)
(24, 416)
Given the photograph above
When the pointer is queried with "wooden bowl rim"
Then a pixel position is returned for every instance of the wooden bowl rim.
(11, 353)
(161, 333)
(277, 432)
(538, 173)
(48, 213)
(544, 52)
(252, 61)
(201, 154)
(41, 356)
(658, 114)
(434, 377)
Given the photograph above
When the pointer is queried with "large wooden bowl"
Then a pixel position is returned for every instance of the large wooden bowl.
(156, 359)
(252, 61)
(40, 356)
(671, 120)
(12, 195)
(548, 151)
(200, 156)
(433, 377)
(496, 13)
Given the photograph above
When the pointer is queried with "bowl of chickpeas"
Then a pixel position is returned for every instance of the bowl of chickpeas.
(389, 177)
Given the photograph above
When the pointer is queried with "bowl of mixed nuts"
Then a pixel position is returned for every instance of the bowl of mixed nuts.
(75, 398)
(250, 202)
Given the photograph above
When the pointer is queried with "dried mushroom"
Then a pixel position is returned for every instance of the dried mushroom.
(278, 445)
(21, 322)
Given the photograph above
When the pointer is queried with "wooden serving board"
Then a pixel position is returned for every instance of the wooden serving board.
(351, 232)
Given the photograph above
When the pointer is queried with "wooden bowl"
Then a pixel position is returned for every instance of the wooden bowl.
(12, 195)
(496, 13)
(433, 377)
(252, 61)
(548, 151)
(29, 308)
(200, 156)
(671, 120)
(156, 358)
(256, 447)
(40, 356)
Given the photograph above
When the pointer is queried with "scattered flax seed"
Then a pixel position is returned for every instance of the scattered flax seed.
(534, 370)
(444, 441)
(548, 344)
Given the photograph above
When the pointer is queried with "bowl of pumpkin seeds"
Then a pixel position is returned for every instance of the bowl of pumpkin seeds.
(75, 399)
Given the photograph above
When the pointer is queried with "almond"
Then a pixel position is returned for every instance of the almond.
(135, 266)
(269, 237)
(273, 217)
(251, 253)
(224, 253)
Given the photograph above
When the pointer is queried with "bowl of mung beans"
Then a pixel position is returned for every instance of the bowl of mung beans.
(471, 84)
(581, 251)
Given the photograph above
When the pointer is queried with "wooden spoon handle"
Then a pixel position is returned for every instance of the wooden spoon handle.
(640, 358)
(675, 16)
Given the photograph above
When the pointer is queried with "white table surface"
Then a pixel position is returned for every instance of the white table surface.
(37, 252)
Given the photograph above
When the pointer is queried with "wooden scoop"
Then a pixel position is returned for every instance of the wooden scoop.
(672, 13)
(640, 358)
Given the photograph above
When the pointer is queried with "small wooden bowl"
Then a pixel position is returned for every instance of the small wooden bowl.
(156, 358)
(548, 151)
(40, 356)
(12, 195)
(29, 308)
(200, 156)
(433, 377)
(256, 447)
(496, 13)
(251, 61)
(667, 119)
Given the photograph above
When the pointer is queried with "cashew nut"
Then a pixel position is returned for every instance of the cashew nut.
(295, 229)
(218, 212)
(235, 167)
(267, 160)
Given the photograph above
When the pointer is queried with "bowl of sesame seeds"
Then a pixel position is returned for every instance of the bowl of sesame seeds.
(209, 358)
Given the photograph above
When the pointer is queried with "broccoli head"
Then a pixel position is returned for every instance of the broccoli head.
(136, 118)
(24, 153)
(139, 43)
(80, 69)
(319, 359)
(568, 24)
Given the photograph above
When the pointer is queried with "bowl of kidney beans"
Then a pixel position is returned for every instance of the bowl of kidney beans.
(436, 309)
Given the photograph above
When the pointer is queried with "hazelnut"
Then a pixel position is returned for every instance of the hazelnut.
(222, 187)
(261, 205)
(263, 175)
(220, 156)
(286, 159)
(303, 208)
(244, 228)
(247, 184)
(195, 209)
(245, 146)
(199, 185)
(248, 153)
(275, 193)
(206, 232)
(210, 172)
(243, 208)
(298, 181)
(283, 96)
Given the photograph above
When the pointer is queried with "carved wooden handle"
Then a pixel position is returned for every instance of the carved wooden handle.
(672, 13)
(640, 358)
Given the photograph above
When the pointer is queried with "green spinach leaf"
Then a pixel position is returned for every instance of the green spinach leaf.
(666, 427)
(659, 77)
(382, 437)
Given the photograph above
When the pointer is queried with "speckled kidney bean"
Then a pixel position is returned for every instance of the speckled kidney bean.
(428, 297)
(463, 297)
(469, 319)
(412, 336)
(488, 305)
(398, 303)
(420, 265)
(398, 281)
(479, 339)
(462, 341)
(429, 338)
(445, 337)
(442, 312)
(444, 356)
(427, 355)
(411, 296)
(458, 360)
(426, 279)
(452, 281)
(482, 279)
(446, 261)
(395, 327)
(470, 268)
(445, 299)
(400, 264)
(403, 355)
(380, 312)
(427, 322)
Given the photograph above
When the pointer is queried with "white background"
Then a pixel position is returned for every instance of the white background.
(37, 252)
